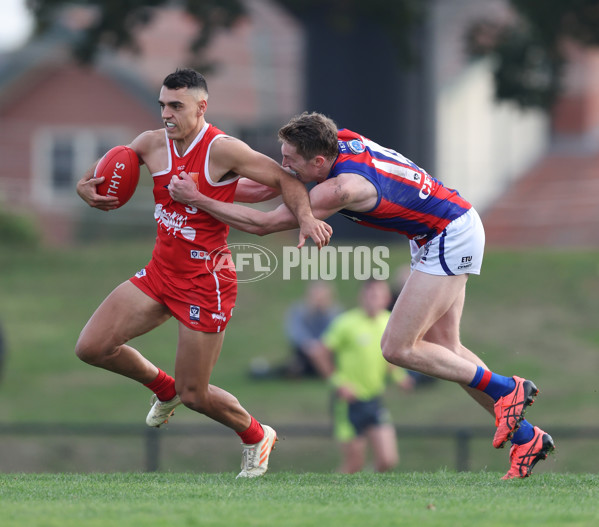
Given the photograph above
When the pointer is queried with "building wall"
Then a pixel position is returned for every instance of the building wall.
(576, 114)
(63, 102)
(482, 145)
(257, 76)
(61, 112)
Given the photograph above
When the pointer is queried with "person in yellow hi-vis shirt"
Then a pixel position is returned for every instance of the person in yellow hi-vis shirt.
(350, 358)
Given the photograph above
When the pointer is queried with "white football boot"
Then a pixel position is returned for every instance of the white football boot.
(161, 410)
(254, 459)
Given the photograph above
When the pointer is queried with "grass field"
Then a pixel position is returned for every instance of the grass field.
(287, 499)
(532, 313)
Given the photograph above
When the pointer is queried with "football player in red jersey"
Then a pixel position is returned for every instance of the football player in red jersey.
(182, 279)
(380, 188)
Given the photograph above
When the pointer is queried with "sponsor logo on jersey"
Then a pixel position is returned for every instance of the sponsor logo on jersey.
(350, 217)
(194, 312)
(199, 255)
(466, 262)
(356, 146)
(425, 250)
(219, 317)
(427, 187)
(141, 273)
(174, 223)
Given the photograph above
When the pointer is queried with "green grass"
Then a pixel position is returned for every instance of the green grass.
(287, 499)
(530, 313)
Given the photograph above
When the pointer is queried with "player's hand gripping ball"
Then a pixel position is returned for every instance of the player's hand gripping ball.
(120, 168)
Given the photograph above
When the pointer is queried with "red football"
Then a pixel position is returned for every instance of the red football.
(120, 167)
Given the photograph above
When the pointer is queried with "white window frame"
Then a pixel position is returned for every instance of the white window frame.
(85, 150)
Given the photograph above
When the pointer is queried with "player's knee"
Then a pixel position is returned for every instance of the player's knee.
(86, 351)
(93, 352)
(395, 353)
(194, 400)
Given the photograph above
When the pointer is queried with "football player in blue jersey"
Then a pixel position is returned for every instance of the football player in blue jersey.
(380, 188)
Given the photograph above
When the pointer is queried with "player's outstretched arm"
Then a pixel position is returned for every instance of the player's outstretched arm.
(297, 200)
(183, 189)
(325, 199)
(248, 191)
(232, 155)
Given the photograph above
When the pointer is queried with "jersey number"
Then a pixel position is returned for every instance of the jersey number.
(406, 169)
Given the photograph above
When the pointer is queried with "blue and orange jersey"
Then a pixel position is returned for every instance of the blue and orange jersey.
(410, 201)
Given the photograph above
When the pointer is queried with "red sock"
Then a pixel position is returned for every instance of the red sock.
(163, 386)
(254, 434)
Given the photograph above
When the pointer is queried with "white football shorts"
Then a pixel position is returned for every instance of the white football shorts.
(457, 250)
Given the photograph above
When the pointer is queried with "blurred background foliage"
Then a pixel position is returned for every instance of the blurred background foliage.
(116, 21)
(527, 51)
(18, 229)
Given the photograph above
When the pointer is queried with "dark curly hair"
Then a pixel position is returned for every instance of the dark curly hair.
(185, 78)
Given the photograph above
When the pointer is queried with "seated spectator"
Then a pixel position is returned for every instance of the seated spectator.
(305, 323)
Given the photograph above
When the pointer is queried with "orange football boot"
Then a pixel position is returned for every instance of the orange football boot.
(509, 410)
(524, 457)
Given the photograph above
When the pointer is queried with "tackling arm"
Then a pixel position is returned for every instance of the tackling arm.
(325, 199)
(232, 155)
(249, 191)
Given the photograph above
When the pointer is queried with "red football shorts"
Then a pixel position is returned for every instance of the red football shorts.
(203, 303)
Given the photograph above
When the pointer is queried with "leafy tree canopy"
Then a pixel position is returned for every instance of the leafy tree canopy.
(529, 52)
(528, 56)
(115, 21)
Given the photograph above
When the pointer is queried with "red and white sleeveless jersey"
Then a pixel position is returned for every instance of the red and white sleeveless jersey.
(186, 236)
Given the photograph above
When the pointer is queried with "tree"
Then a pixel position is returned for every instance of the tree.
(528, 53)
(115, 21)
